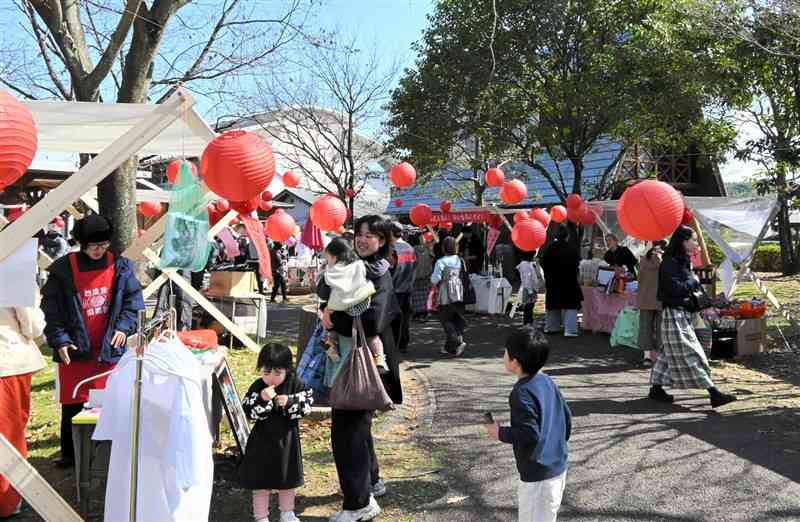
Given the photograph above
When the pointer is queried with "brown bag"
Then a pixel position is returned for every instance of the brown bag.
(358, 385)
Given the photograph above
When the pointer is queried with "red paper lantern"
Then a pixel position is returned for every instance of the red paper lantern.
(446, 225)
(246, 207)
(328, 213)
(445, 206)
(174, 167)
(266, 206)
(403, 175)
(650, 210)
(574, 201)
(574, 214)
(18, 140)
(558, 214)
(421, 214)
(519, 216)
(688, 217)
(341, 230)
(541, 215)
(238, 165)
(398, 202)
(495, 177)
(280, 226)
(427, 236)
(528, 235)
(150, 208)
(222, 206)
(513, 192)
(266, 196)
(291, 179)
(589, 214)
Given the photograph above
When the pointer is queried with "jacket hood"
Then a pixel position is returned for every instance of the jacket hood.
(376, 267)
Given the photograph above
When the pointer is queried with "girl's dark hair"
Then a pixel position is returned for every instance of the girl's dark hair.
(450, 246)
(529, 348)
(275, 356)
(342, 250)
(675, 248)
(380, 227)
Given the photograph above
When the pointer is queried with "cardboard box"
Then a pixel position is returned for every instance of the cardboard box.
(751, 336)
(234, 284)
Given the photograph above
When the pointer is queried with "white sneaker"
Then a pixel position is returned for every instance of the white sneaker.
(460, 349)
(288, 516)
(570, 334)
(368, 512)
(379, 489)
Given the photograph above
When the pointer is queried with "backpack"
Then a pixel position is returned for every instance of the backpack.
(451, 288)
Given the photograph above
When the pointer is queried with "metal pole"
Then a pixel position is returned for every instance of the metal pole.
(137, 402)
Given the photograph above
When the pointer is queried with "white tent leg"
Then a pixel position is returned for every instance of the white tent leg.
(12, 237)
(33, 488)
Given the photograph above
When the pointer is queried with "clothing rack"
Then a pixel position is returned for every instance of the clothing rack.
(147, 331)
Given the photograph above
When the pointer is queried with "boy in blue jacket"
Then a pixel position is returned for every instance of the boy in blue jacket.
(540, 428)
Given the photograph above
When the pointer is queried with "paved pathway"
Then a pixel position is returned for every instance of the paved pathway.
(631, 458)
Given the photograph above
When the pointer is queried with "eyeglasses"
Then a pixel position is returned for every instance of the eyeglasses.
(100, 246)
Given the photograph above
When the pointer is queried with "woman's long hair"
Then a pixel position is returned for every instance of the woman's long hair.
(675, 248)
(380, 227)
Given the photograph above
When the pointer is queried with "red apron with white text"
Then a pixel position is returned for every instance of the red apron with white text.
(94, 293)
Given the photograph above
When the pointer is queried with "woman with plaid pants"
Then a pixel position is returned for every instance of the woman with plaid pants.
(681, 363)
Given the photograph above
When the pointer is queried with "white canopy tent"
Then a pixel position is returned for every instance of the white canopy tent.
(89, 128)
(115, 132)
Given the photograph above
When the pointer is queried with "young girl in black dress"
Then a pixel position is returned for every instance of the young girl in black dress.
(273, 459)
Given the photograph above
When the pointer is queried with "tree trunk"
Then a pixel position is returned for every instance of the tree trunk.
(789, 257)
(116, 196)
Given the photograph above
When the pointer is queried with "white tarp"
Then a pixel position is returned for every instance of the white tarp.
(86, 127)
(736, 225)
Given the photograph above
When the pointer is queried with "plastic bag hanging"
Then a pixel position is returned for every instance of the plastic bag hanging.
(186, 242)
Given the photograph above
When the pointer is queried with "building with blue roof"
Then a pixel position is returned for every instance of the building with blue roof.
(688, 173)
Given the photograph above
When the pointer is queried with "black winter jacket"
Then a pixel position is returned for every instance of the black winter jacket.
(676, 282)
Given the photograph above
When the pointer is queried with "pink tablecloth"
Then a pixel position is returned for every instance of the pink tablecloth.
(601, 310)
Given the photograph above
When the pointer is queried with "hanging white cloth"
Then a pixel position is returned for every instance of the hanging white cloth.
(176, 470)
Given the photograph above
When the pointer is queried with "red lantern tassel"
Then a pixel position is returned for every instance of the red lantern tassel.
(256, 233)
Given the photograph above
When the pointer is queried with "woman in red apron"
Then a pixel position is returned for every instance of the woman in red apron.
(90, 303)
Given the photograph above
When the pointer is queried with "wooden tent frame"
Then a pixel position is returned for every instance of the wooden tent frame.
(179, 105)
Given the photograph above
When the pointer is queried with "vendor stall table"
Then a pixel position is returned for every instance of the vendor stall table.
(491, 293)
(251, 324)
(92, 457)
(601, 310)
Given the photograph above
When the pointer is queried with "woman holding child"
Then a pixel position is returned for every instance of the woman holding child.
(351, 430)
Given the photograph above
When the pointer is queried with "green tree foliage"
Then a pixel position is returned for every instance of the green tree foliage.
(509, 80)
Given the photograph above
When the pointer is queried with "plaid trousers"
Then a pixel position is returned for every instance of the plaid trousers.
(681, 363)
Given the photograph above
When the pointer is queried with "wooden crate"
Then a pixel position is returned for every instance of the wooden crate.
(234, 284)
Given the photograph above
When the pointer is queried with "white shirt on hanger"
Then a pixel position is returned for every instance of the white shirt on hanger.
(176, 469)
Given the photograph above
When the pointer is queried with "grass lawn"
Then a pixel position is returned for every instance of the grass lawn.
(410, 472)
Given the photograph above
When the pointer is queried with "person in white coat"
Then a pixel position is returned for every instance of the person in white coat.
(19, 360)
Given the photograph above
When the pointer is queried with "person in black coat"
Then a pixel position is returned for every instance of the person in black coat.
(273, 459)
(620, 256)
(563, 292)
(351, 430)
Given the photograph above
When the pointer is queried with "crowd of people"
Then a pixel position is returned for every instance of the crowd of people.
(377, 282)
